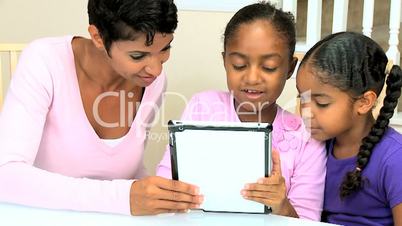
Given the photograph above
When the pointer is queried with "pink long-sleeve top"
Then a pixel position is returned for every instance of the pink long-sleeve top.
(50, 156)
(302, 158)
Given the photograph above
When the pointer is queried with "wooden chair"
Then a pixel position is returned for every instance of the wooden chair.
(11, 51)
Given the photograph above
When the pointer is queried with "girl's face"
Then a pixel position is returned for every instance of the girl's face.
(257, 65)
(327, 111)
(137, 62)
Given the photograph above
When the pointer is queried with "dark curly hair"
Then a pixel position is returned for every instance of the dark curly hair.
(355, 64)
(284, 22)
(124, 19)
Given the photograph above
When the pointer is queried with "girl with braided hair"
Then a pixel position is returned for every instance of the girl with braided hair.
(339, 81)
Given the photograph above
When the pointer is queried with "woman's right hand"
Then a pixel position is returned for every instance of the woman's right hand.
(154, 195)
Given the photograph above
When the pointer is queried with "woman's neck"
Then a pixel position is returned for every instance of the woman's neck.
(348, 144)
(94, 65)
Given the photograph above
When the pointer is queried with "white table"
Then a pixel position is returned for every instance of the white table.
(11, 215)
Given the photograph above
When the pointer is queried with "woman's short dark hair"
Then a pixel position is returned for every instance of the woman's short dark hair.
(125, 19)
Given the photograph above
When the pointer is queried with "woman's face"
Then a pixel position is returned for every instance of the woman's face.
(137, 62)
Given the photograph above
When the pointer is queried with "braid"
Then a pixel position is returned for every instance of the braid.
(355, 64)
(353, 180)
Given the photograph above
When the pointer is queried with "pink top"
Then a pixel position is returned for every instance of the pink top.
(303, 159)
(50, 156)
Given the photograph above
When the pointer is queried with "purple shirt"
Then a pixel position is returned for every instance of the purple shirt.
(373, 204)
(302, 158)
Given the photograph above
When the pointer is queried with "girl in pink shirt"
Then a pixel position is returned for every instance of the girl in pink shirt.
(259, 43)
(71, 96)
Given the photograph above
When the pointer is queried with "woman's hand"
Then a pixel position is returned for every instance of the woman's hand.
(271, 191)
(154, 195)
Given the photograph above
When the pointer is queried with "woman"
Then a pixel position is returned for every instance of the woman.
(73, 126)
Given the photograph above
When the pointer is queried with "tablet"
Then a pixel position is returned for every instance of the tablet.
(220, 158)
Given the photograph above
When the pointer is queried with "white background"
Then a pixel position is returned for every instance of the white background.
(214, 5)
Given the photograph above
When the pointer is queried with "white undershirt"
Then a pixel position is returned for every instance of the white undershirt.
(113, 142)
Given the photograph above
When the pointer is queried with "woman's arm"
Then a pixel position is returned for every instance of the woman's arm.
(21, 126)
(22, 121)
(27, 185)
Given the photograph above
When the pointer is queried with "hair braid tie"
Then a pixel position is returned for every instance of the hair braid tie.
(389, 66)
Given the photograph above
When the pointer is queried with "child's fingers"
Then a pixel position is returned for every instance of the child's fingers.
(276, 163)
(265, 201)
(261, 187)
(274, 179)
(257, 194)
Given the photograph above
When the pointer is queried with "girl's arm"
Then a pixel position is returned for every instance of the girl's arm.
(392, 184)
(397, 215)
(271, 191)
(306, 192)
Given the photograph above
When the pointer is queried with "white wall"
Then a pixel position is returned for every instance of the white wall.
(195, 63)
(24, 20)
(220, 6)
